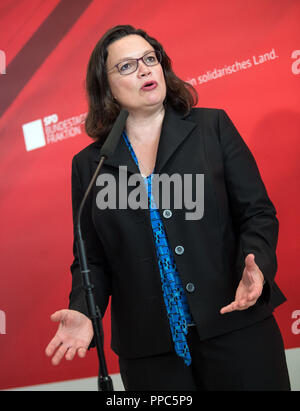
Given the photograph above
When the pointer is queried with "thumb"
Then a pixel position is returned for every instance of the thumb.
(250, 263)
(58, 315)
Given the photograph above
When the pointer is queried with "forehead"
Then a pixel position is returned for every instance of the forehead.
(129, 46)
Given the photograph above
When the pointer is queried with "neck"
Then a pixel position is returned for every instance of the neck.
(142, 124)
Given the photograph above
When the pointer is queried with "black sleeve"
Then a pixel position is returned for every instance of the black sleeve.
(254, 215)
(99, 270)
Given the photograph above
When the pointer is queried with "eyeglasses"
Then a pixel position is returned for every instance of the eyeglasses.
(152, 58)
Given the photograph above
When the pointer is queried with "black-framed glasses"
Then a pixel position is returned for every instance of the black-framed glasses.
(152, 58)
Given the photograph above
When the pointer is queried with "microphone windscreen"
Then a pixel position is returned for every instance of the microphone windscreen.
(112, 139)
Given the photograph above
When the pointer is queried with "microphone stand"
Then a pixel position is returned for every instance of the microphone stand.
(104, 380)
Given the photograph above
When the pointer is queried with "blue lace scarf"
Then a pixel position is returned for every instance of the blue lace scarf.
(174, 296)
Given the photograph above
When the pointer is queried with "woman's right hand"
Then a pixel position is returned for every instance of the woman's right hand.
(74, 334)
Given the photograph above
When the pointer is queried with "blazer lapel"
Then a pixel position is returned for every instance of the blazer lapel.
(121, 157)
(175, 130)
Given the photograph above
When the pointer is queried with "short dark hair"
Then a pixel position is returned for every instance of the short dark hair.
(103, 109)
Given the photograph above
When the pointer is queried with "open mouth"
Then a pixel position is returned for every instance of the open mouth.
(150, 85)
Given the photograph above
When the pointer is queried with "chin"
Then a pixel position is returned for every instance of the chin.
(154, 100)
(154, 105)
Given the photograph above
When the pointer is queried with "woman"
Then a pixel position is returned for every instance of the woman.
(192, 298)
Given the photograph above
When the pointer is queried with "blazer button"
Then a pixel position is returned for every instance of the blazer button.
(179, 250)
(190, 287)
(167, 213)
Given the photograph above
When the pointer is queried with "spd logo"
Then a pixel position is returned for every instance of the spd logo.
(2, 62)
(296, 65)
(2, 322)
(296, 324)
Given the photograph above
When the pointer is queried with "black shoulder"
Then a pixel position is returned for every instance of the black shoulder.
(88, 153)
(203, 113)
(206, 118)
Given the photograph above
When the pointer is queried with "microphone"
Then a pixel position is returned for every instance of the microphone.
(112, 140)
(108, 148)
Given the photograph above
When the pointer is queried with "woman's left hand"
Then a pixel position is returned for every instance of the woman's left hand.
(249, 288)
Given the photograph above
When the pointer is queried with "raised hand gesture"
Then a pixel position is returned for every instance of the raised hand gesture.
(249, 288)
(74, 334)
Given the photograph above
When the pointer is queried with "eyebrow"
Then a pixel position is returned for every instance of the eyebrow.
(132, 58)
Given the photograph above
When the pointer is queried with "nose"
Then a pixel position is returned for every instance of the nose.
(143, 69)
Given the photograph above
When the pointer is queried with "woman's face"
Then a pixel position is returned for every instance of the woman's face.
(128, 89)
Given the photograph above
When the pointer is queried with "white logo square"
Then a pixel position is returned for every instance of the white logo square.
(34, 135)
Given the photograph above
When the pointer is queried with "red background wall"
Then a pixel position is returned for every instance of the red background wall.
(47, 45)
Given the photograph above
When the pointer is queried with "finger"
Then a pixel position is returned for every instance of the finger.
(237, 305)
(250, 261)
(70, 354)
(251, 301)
(53, 345)
(242, 304)
(81, 352)
(58, 316)
(60, 353)
(246, 303)
(253, 296)
(229, 308)
(250, 264)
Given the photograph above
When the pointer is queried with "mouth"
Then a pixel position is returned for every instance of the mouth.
(150, 85)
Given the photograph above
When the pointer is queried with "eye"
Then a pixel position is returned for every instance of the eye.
(126, 66)
(151, 58)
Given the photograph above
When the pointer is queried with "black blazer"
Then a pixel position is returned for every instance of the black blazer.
(238, 219)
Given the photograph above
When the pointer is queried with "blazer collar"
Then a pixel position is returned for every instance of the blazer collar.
(175, 130)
